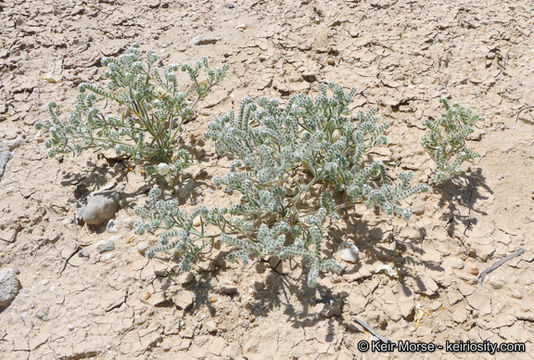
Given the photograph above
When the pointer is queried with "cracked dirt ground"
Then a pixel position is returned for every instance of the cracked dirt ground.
(401, 55)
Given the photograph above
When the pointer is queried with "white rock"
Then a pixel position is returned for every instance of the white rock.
(9, 286)
(348, 252)
(112, 226)
(142, 246)
(163, 169)
(100, 208)
(106, 257)
(455, 262)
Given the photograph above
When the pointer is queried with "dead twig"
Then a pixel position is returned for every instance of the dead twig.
(499, 263)
(371, 330)
(527, 107)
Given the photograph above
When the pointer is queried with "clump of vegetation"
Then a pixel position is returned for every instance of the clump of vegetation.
(154, 108)
(289, 165)
(445, 140)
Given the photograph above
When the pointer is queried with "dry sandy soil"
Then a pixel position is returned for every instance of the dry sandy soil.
(401, 55)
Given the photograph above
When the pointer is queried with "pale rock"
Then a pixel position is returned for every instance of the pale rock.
(480, 301)
(142, 247)
(194, 41)
(418, 208)
(112, 227)
(9, 286)
(100, 208)
(348, 252)
(460, 314)
(465, 289)
(426, 285)
(496, 282)
(225, 288)
(471, 268)
(516, 294)
(183, 299)
(5, 156)
(157, 298)
(454, 262)
(210, 326)
(106, 257)
(454, 296)
(434, 305)
(483, 251)
(391, 311)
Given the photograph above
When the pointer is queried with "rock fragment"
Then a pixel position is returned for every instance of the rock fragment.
(142, 247)
(9, 286)
(107, 246)
(5, 156)
(460, 314)
(100, 208)
(348, 252)
(426, 286)
(183, 299)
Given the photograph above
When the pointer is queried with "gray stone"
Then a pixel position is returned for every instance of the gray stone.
(108, 246)
(5, 156)
(9, 286)
(100, 207)
(186, 188)
(83, 253)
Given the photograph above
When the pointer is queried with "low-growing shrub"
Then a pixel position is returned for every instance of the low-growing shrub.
(447, 148)
(295, 168)
(154, 108)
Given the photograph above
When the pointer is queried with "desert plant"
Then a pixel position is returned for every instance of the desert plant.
(153, 111)
(447, 148)
(289, 165)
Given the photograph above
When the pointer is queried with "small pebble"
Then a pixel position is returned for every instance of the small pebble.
(112, 226)
(330, 61)
(106, 257)
(471, 268)
(142, 246)
(348, 252)
(83, 253)
(496, 283)
(108, 246)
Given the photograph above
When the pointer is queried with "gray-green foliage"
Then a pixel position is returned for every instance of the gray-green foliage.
(154, 107)
(445, 140)
(287, 164)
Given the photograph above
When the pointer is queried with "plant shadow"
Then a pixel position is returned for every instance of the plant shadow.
(464, 190)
